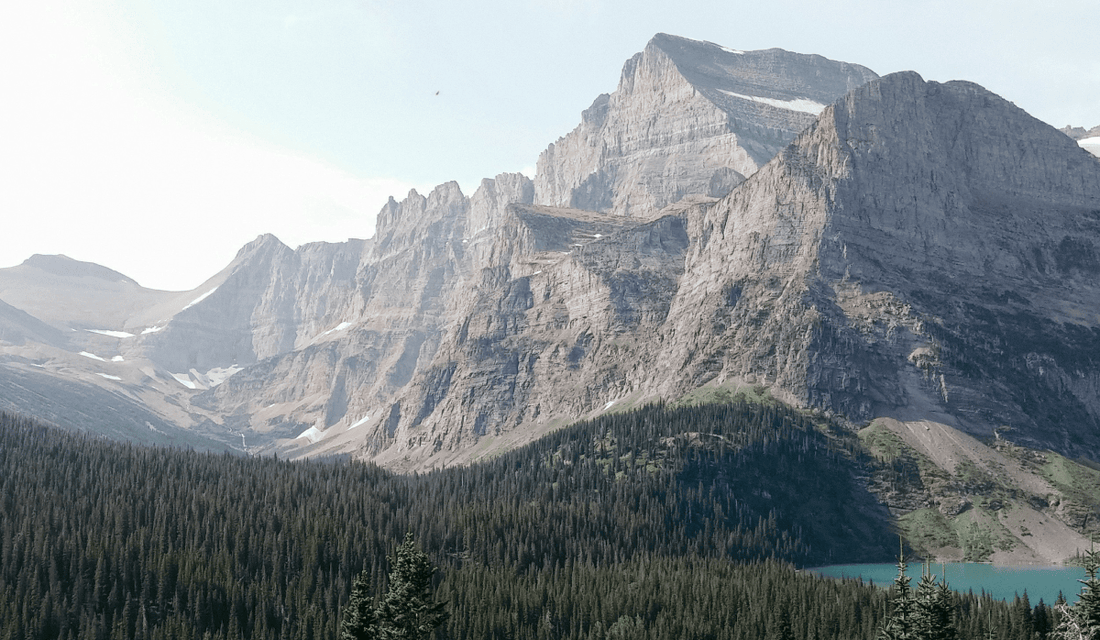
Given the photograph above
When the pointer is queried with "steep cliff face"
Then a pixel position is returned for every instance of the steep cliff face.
(923, 249)
(542, 345)
(368, 318)
(688, 117)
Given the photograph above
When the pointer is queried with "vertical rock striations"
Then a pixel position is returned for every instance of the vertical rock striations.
(923, 249)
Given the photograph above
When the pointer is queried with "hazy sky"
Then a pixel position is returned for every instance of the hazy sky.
(156, 137)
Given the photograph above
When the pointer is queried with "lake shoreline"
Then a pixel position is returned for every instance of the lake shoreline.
(1003, 582)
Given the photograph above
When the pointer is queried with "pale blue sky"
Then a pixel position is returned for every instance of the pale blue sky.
(157, 137)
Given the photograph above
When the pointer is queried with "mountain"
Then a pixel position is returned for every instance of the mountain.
(688, 117)
(922, 247)
(1080, 133)
(19, 327)
(923, 251)
(83, 295)
(913, 251)
(338, 347)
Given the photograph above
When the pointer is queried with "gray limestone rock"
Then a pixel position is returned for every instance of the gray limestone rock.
(688, 117)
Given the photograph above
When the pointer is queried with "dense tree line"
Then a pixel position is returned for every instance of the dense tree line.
(659, 523)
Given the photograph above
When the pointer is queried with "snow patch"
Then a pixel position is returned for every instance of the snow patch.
(599, 235)
(184, 379)
(362, 421)
(92, 356)
(200, 298)
(728, 50)
(218, 375)
(313, 434)
(118, 359)
(1092, 140)
(108, 376)
(151, 330)
(802, 105)
(609, 405)
(339, 327)
(113, 334)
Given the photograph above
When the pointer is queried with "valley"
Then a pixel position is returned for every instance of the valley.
(909, 265)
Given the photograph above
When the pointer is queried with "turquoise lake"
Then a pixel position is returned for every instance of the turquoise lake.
(1001, 582)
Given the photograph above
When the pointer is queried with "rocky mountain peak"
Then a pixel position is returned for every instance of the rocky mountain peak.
(688, 117)
(400, 223)
(1080, 133)
(919, 251)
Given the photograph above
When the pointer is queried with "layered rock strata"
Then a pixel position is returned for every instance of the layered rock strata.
(688, 117)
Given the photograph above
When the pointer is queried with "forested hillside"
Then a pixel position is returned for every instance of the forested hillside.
(661, 523)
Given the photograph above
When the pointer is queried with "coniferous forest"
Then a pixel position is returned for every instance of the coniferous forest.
(659, 523)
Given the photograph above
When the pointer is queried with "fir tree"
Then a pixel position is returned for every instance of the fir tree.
(899, 625)
(934, 609)
(1088, 603)
(407, 611)
(360, 619)
(1082, 620)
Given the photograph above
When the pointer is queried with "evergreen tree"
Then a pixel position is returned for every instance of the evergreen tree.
(899, 625)
(1082, 620)
(934, 609)
(407, 611)
(360, 619)
(1088, 603)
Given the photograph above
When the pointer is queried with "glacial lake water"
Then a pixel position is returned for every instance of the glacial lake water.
(1001, 582)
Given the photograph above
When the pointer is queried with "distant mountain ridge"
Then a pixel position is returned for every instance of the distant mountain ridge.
(1080, 133)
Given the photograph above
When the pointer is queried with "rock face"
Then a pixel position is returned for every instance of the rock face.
(922, 251)
(922, 248)
(379, 311)
(688, 117)
(1080, 133)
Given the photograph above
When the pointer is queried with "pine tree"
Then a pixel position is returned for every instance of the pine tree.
(899, 625)
(360, 619)
(1088, 603)
(407, 611)
(1082, 620)
(934, 609)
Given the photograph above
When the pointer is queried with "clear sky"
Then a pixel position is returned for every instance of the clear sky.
(157, 137)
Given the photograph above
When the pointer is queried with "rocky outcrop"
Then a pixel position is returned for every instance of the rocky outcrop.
(546, 344)
(1080, 133)
(688, 117)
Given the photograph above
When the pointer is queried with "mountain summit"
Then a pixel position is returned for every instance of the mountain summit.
(688, 117)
